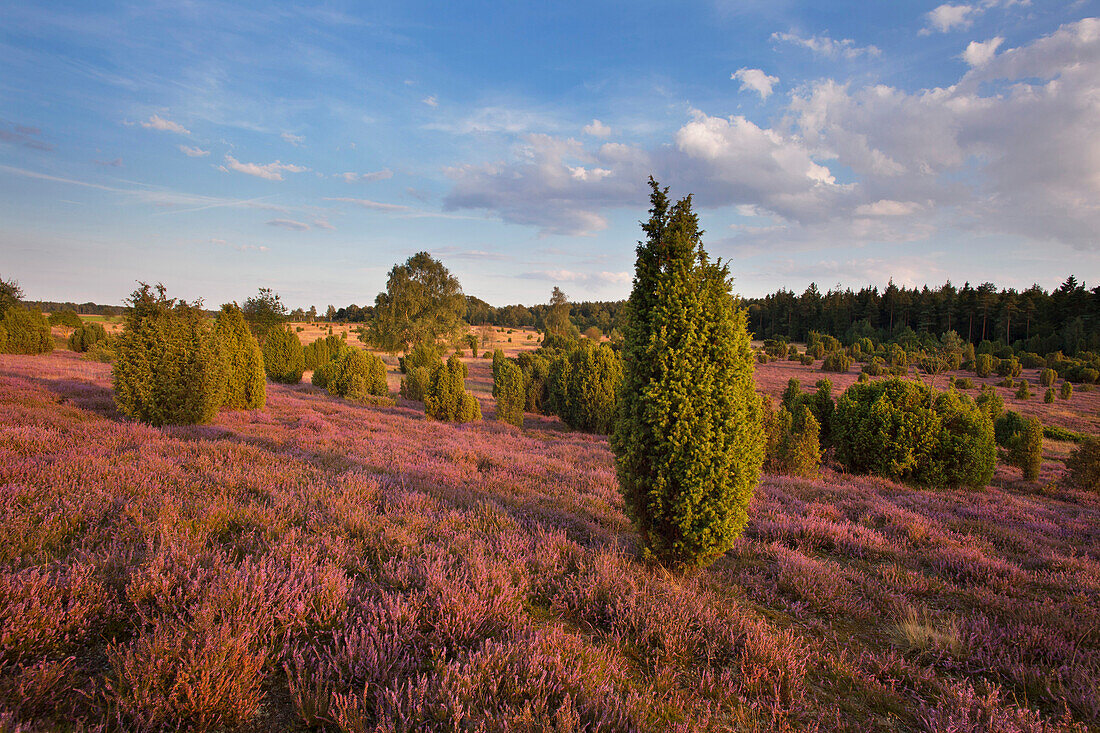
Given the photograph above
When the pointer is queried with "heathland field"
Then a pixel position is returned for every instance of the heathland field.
(323, 564)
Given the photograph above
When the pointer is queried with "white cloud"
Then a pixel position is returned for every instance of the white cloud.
(430, 101)
(756, 80)
(495, 119)
(239, 247)
(159, 123)
(825, 46)
(191, 152)
(365, 177)
(298, 226)
(323, 224)
(294, 140)
(368, 204)
(946, 18)
(886, 207)
(268, 171)
(980, 54)
(597, 129)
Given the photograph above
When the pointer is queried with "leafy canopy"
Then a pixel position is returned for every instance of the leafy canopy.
(422, 303)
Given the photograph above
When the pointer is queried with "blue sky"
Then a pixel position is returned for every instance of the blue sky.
(219, 148)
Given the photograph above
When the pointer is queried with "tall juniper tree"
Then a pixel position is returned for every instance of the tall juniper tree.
(688, 440)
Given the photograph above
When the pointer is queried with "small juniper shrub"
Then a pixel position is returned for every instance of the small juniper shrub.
(1009, 368)
(806, 360)
(284, 360)
(588, 395)
(447, 398)
(498, 359)
(471, 341)
(816, 350)
(792, 353)
(1048, 396)
(983, 365)
(320, 352)
(356, 375)
(414, 385)
(65, 318)
(510, 393)
(1047, 377)
(28, 331)
(964, 383)
(168, 368)
(1066, 391)
(836, 361)
(863, 378)
(875, 367)
(85, 336)
(418, 366)
(1083, 465)
(1023, 392)
(536, 372)
(1026, 449)
(990, 402)
(245, 387)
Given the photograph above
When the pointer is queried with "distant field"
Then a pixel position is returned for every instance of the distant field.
(321, 563)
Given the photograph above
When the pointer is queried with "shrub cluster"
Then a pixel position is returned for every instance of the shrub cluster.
(510, 389)
(1066, 391)
(284, 359)
(418, 366)
(446, 398)
(836, 361)
(793, 444)
(85, 336)
(353, 374)
(584, 385)
(984, 364)
(27, 330)
(168, 368)
(1047, 377)
(903, 430)
(1083, 465)
(320, 352)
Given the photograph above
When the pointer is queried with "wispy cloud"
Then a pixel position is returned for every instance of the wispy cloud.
(295, 140)
(824, 46)
(116, 163)
(23, 135)
(368, 204)
(571, 276)
(351, 177)
(267, 171)
(191, 152)
(156, 122)
(430, 101)
(297, 226)
(239, 247)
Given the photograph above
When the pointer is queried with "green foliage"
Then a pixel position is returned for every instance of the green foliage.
(1008, 427)
(1047, 377)
(284, 359)
(1083, 465)
(1023, 392)
(168, 368)
(557, 323)
(355, 375)
(264, 312)
(1056, 433)
(85, 336)
(423, 303)
(28, 331)
(1066, 391)
(414, 385)
(3, 339)
(498, 359)
(792, 440)
(688, 440)
(964, 383)
(876, 367)
(447, 398)
(1048, 396)
(806, 360)
(1025, 448)
(320, 352)
(1009, 368)
(588, 394)
(471, 341)
(816, 350)
(989, 401)
(900, 429)
(66, 318)
(423, 354)
(10, 295)
(510, 392)
(245, 387)
(984, 364)
(836, 361)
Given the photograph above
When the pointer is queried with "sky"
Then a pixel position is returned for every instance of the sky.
(222, 147)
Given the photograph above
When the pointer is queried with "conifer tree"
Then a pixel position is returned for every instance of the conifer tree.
(284, 359)
(688, 440)
(508, 386)
(245, 386)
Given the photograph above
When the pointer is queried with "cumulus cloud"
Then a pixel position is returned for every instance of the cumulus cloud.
(825, 46)
(298, 226)
(756, 80)
(191, 152)
(1008, 149)
(267, 171)
(597, 129)
(157, 122)
(946, 18)
(980, 54)
(365, 177)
